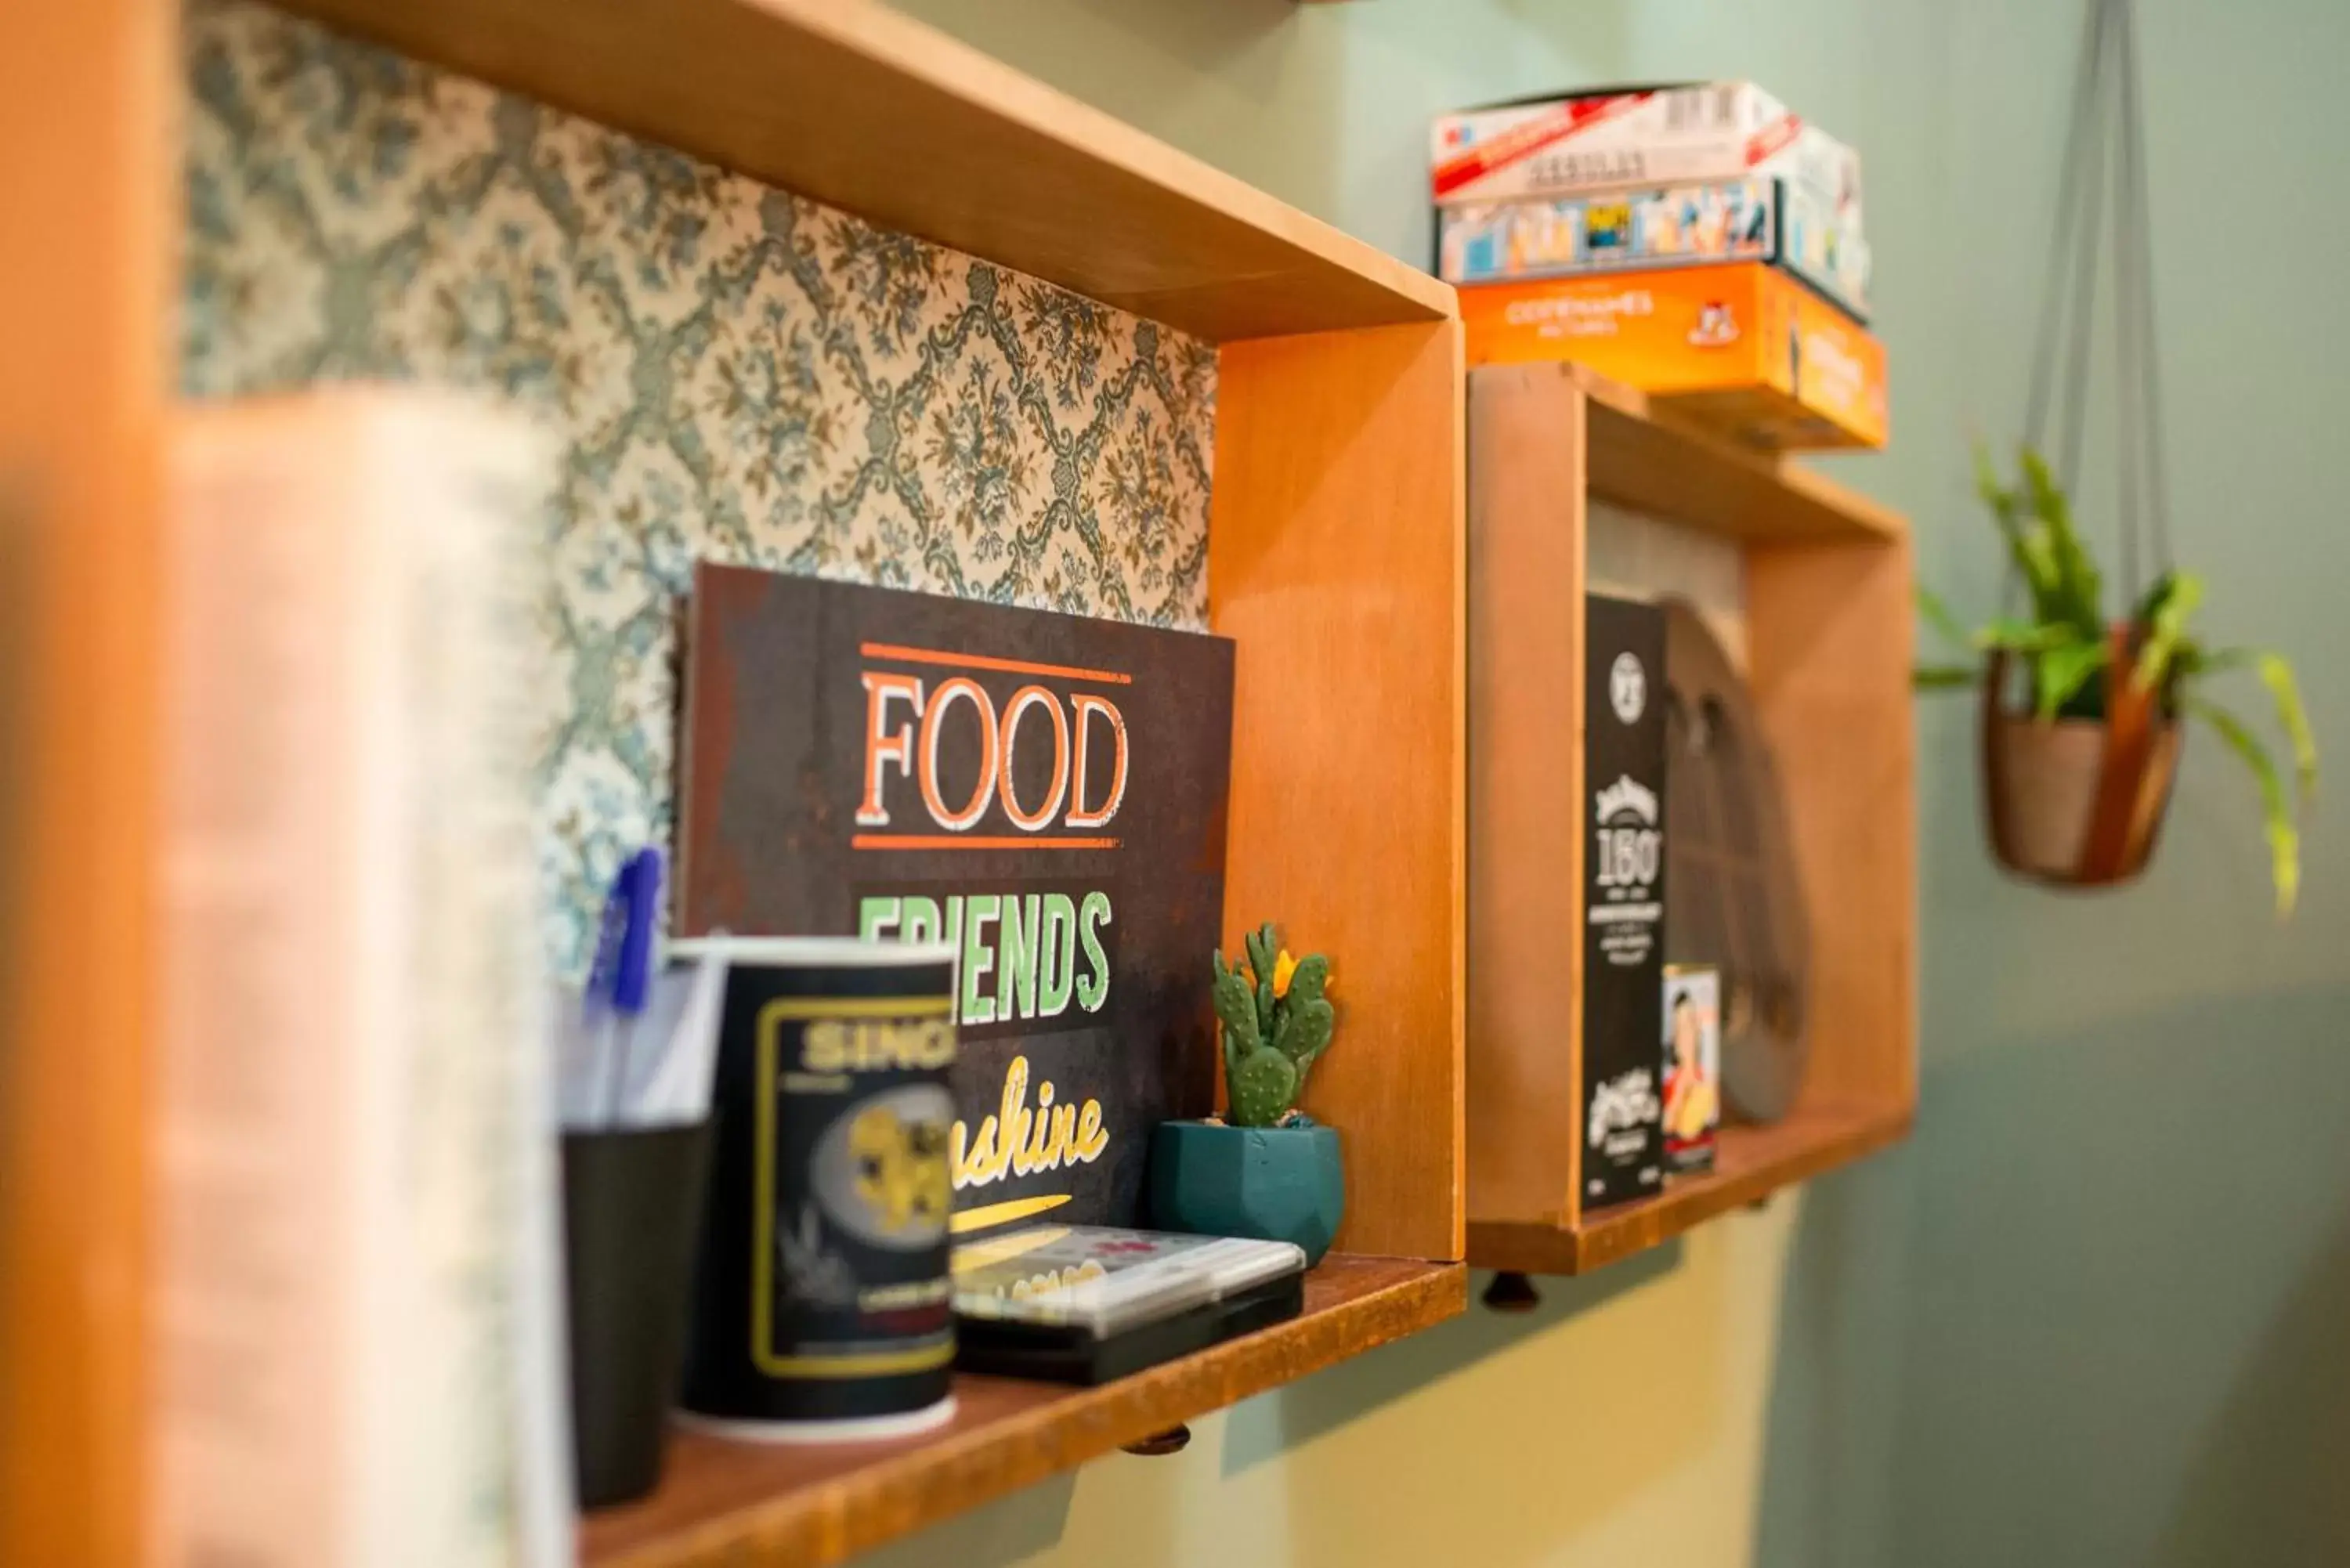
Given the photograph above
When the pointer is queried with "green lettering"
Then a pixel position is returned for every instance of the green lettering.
(1093, 990)
(921, 920)
(1017, 965)
(1057, 956)
(978, 953)
(874, 916)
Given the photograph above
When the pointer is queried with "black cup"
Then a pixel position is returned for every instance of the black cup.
(631, 1215)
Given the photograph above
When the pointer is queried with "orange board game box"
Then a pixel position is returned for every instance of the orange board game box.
(1745, 349)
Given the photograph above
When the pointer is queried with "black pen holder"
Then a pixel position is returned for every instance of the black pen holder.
(632, 1216)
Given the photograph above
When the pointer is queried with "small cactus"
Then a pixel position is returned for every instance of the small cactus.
(1263, 950)
(1236, 1005)
(1262, 1088)
(1275, 1028)
(1308, 979)
(1304, 1034)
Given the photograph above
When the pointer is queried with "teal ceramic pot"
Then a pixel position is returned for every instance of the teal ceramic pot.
(1275, 1184)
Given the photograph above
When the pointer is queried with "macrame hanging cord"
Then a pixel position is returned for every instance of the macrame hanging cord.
(2070, 816)
(2105, 91)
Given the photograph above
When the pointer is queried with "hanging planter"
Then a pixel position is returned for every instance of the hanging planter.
(2076, 800)
(2081, 713)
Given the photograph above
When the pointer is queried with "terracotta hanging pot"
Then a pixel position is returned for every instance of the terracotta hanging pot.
(2077, 801)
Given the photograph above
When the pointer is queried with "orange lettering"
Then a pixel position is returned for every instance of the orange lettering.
(941, 701)
(884, 746)
(1081, 815)
(1029, 697)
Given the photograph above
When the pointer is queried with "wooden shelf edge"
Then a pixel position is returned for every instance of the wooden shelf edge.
(746, 1506)
(1645, 457)
(850, 103)
(1812, 1143)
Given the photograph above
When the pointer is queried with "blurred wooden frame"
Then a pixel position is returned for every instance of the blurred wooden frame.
(88, 183)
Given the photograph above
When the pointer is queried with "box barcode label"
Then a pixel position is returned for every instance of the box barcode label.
(1701, 107)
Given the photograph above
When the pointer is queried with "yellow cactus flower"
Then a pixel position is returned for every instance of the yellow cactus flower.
(1283, 969)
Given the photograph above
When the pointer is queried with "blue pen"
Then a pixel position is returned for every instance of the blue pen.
(634, 975)
(622, 974)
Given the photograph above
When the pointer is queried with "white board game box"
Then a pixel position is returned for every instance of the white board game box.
(1760, 219)
(1610, 138)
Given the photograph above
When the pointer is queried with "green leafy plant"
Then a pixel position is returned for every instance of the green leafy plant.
(1277, 1022)
(2068, 646)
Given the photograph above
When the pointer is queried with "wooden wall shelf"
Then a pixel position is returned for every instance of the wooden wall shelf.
(1336, 544)
(1827, 619)
(1336, 560)
(1754, 1162)
(1642, 455)
(1337, 540)
(851, 103)
(744, 1506)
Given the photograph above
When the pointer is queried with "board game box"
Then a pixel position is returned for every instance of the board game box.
(1760, 219)
(1607, 139)
(1739, 346)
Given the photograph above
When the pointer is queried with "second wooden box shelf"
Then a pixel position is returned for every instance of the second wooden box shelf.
(1826, 618)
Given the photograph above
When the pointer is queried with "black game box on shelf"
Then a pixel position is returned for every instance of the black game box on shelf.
(1085, 1304)
(1624, 901)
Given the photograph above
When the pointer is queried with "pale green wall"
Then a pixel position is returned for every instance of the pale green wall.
(2098, 1311)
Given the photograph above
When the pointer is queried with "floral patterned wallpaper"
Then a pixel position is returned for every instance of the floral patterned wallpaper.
(737, 373)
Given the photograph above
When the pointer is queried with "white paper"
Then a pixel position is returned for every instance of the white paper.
(652, 1070)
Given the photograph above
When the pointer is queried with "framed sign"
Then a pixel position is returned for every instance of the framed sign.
(1044, 792)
